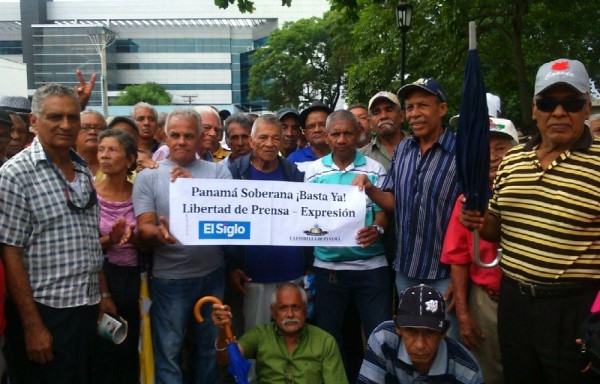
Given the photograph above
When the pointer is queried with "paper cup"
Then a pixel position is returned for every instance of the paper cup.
(112, 327)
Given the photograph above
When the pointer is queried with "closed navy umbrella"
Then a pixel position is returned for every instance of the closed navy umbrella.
(472, 140)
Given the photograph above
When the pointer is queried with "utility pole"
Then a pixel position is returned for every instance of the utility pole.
(189, 98)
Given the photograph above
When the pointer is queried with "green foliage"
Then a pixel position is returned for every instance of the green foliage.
(303, 61)
(245, 6)
(152, 93)
(359, 44)
(514, 39)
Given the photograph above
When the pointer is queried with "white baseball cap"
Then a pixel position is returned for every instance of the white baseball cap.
(497, 125)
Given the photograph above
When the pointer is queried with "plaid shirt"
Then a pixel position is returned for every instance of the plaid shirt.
(62, 252)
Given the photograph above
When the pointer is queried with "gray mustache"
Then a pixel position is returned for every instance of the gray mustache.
(290, 321)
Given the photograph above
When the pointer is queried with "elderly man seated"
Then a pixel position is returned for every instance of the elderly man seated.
(286, 350)
(414, 348)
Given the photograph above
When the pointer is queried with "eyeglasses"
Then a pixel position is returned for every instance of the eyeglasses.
(97, 128)
(549, 104)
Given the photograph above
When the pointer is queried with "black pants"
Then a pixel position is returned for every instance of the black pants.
(116, 364)
(73, 331)
(537, 337)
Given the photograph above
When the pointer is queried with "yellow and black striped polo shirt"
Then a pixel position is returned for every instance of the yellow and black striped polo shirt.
(550, 219)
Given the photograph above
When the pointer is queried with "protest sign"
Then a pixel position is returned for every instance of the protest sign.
(251, 212)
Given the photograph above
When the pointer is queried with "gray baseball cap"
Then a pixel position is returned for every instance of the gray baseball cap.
(562, 71)
(283, 112)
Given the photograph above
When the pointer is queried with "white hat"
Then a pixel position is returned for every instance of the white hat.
(505, 127)
(497, 124)
(384, 95)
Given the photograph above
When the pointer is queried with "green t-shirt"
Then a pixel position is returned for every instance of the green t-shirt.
(316, 359)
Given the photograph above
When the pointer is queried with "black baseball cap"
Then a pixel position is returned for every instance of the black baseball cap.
(422, 306)
(283, 112)
(314, 106)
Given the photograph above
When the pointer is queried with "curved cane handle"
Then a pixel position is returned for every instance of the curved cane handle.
(200, 319)
(477, 257)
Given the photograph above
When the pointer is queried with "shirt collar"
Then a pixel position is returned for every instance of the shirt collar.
(39, 154)
(278, 332)
(376, 143)
(446, 140)
(309, 152)
(440, 361)
(359, 159)
(582, 144)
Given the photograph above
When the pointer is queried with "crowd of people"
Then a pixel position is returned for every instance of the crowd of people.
(84, 209)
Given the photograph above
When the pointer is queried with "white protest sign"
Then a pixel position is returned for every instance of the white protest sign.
(253, 212)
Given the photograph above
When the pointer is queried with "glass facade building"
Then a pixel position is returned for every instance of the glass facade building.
(59, 51)
(199, 53)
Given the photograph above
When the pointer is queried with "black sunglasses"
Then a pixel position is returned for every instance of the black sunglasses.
(549, 104)
(92, 200)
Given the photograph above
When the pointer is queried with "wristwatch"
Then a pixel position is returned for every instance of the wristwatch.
(379, 229)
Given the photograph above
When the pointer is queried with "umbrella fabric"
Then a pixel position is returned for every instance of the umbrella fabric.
(145, 343)
(238, 366)
(472, 138)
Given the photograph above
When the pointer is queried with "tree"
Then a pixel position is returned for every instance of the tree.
(303, 61)
(244, 5)
(514, 38)
(151, 93)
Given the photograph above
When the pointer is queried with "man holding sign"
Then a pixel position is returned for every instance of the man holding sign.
(182, 274)
(260, 267)
(359, 273)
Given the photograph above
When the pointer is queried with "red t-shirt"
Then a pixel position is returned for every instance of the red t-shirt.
(458, 249)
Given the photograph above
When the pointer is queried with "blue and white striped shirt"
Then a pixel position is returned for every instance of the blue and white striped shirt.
(325, 171)
(62, 252)
(425, 188)
(387, 361)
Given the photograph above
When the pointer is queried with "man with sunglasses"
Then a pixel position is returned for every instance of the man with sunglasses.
(545, 213)
(50, 248)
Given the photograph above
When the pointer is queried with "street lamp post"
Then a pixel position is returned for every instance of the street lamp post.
(403, 17)
(101, 39)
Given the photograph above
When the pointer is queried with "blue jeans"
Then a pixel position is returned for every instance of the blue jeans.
(370, 290)
(403, 282)
(171, 314)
